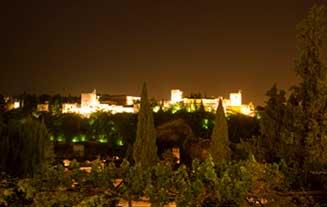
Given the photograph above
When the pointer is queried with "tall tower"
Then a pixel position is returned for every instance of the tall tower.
(176, 96)
(236, 98)
(89, 99)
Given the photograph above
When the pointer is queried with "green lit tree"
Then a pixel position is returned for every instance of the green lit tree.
(145, 147)
(219, 148)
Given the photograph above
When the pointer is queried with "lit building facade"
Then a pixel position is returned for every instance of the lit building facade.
(235, 99)
(70, 108)
(131, 100)
(90, 104)
(232, 105)
(11, 103)
(43, 107)
(120, 100)
(89, 100)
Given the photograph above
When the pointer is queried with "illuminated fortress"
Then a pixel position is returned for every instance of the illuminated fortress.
(90, 103)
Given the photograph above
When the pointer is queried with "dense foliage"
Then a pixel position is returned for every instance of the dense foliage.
(202, 185)
(293, 127)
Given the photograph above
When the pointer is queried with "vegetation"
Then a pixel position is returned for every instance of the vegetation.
(25, 147)
(293, 129)
(145, 148)
(219, 147)
(311, 94)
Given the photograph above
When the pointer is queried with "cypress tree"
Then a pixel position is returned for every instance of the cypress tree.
(145, 147)
(219, 147)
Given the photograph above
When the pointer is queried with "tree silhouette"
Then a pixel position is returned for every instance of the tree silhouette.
(219, 148)
(145, 148)
(311, 94)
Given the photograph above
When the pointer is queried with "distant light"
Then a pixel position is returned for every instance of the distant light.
(236, 99)
(91, 122)
(16, 104)
(176, 108)
(119, 142)
(66, 163)
(75, 139)
(61, 138)
(156, 109)
(176, 96)
(52, 138)
(205, 123)
(130, 100)
(103, 139)
(82, 138)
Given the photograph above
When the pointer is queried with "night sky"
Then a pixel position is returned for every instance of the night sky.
(213, 47)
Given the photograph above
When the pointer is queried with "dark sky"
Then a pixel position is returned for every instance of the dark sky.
(214, 47)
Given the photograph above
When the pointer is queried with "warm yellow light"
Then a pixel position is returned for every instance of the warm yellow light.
(131, 100)
(90, 104)
(236, 99)
(176, 96)
(156, 109)
(89, 99)
(16, 104)
(43, 107)
(248, 110)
